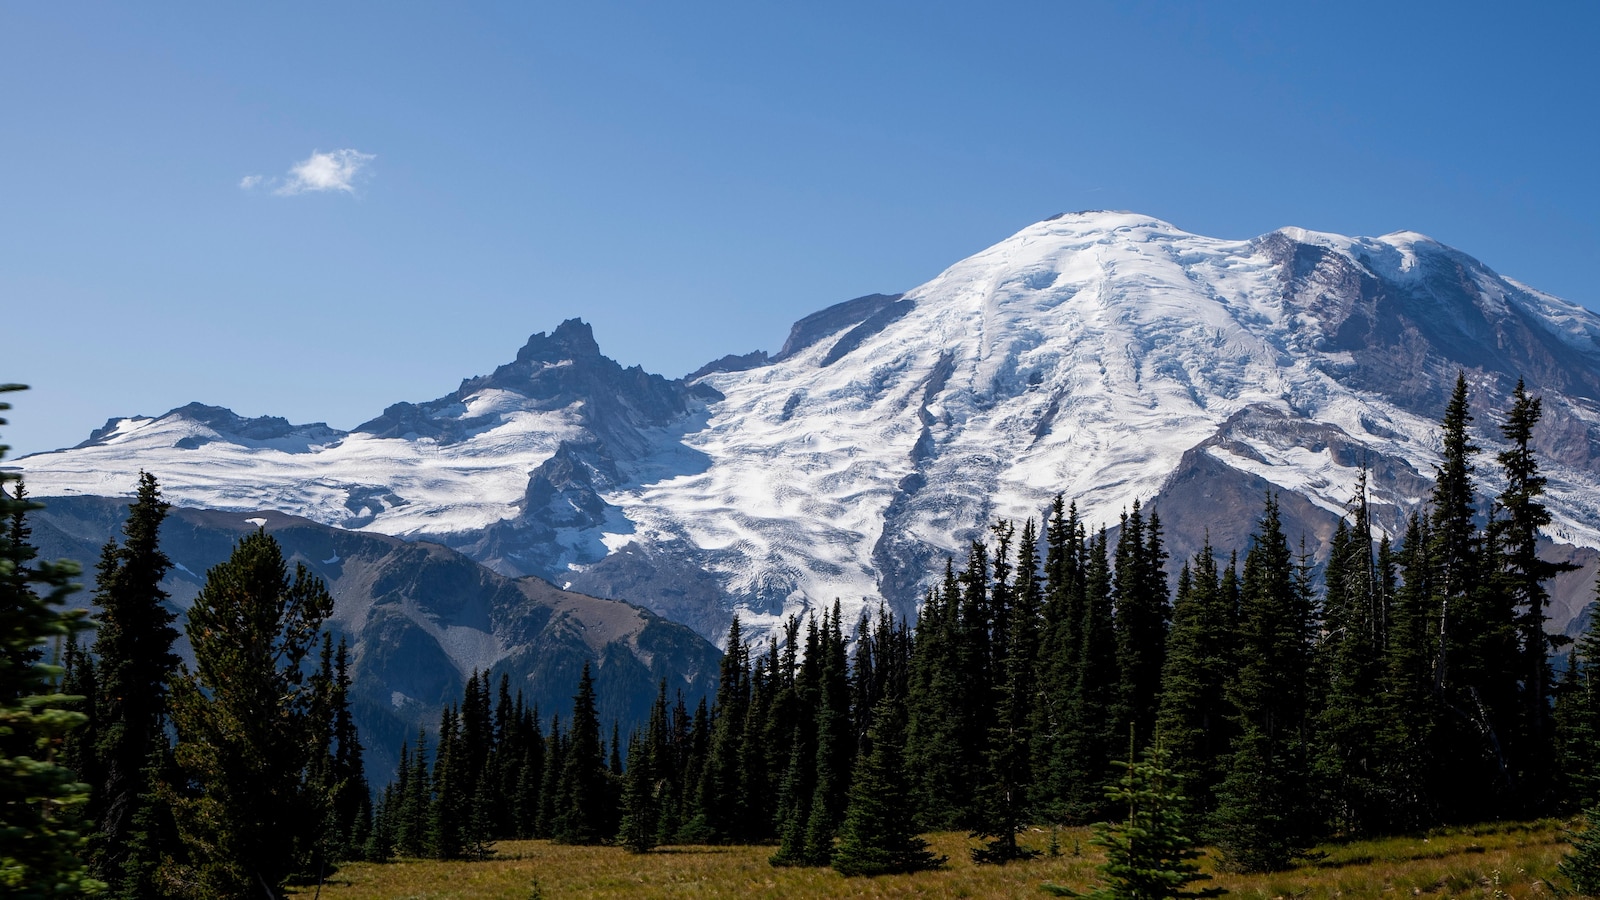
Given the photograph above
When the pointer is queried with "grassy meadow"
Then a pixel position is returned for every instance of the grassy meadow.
(1503, 860)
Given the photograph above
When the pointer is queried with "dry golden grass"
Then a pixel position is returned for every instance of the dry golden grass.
(1489, 861)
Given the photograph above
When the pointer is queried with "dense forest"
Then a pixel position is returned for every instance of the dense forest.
(1405, 683)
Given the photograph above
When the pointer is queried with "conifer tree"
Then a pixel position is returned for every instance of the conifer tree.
(637, 833)
(415, 795)
(934, 710)
(243, 722)
(1142, 614)
(133, 646)
(719, 818)
(555, 760)
(643, 791)
(1194, 716)
(1410, 707)
(1523, 576)
(835, 745)
(798, 787)
(1348, 756)
(1475, 656)
(1150, 855)
(1058, 664)
(352, 796)
(1004, 807)
(1581, 867)
(1262, 817)
(1096, 688)
(449, 815)
(40, 851)
(1577, 722)
(757, 785)
(582, 813)
(879, 835)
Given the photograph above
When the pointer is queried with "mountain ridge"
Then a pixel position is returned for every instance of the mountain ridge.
(1108, 356)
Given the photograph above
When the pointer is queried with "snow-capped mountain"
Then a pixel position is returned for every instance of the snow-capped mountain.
(1107, 356)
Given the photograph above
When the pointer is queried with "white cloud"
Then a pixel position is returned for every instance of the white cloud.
(250, 182)
(333, 171)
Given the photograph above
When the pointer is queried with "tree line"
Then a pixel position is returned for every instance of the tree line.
(127, 773)
(1411, 687)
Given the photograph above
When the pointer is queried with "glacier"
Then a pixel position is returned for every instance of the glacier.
(1107, 356)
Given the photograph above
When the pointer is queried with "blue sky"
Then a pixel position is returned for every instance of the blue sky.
(691, 178)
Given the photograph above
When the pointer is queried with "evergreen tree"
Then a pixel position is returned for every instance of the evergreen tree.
(1142, 614)
(1476, 661)
(555, 760)
(637, 832)
(1096, 686)
(1350, 662)
(582, 813)
(1150, 855)
(719, 819)
(1582, 866)
(135, 663)
(352, 796)
(757, 786)
(797, 790)
(415, 794)
(1004, 807)
(1057, 667)
(1262, 816)
(448, 817)
(1577, 721)
(879, 835)
(933, 751)
(1522, 578)
(835, 745)
(1409, 705)
(40, 851)
(643, 791)
(243, 722)
(1194, 716)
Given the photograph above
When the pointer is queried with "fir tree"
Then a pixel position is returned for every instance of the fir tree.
(135, 663)
(720, 788)
(835, 746)
(352, 796)
(555, 758)
(1142, 614)
(1581, 867)
(1193, 719)
(243, 721)
(448, 816)
(645, 781)
(40, 852)
(1350, 662)
(1262, 817)
(581, 810)
(1523, 577)
(1096, 686)
(1150, 855)
(1409, 706)
(1004, 807)
(415, 795)
(933, 751)
(1577, 721)
(639, 814)
(879, 835)
(1057, 666)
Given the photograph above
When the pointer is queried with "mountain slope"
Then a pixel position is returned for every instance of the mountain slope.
(422, 618)
(1108, 356)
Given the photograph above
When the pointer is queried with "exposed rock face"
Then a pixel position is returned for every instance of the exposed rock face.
(422, 618)
(1107, 356)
